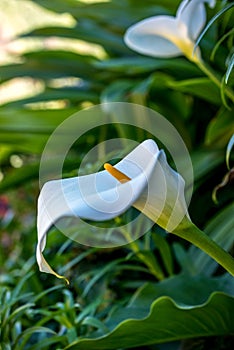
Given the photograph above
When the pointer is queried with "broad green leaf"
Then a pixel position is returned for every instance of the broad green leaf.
(167, 321)
(177, 308)
(183, 288)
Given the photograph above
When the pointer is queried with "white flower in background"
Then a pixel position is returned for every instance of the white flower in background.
(143, 179)
(167, 36)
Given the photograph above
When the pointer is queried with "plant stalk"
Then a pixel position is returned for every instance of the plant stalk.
(190, 232)
(208, 72)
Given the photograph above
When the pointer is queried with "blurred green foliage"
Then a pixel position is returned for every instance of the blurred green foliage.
(62, 66)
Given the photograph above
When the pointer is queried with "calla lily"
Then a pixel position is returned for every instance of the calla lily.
(167, 36)
(143, 179)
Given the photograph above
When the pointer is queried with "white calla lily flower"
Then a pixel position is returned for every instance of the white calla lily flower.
(143, 179)
(167, 36)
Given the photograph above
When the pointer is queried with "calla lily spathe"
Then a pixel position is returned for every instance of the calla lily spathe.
(155, 189)
(167, 36)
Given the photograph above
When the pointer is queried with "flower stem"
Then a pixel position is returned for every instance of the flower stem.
(213, 77)
(190, 232)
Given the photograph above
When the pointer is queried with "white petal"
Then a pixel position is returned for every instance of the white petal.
(165, 201)
(193, 15)
(154, 36)
(155, 189)
(96, 197)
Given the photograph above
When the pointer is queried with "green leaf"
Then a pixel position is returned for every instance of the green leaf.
(28, 130)
(220, 129)
(150, 260)
(51, 64)
(178, 308)
(117, 91)
(138, 64)
(167, 321)
(183, 258)
(183, 289)
(205, 161)
(47, 342)
(90, 32)
(199, 87)
(165, 252)
(220, 229)
(94, 322)
(100, 273)
(73, 95)
(24, 142)
(25, 335)
(114, 13)
(209, 24)
(219, 42)
(19, 176)
(32, 121)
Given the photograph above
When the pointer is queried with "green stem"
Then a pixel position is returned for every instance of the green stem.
(213, 77)
(190, 232)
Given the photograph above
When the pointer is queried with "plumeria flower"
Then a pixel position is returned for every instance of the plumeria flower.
(167, 36)
(143, 179)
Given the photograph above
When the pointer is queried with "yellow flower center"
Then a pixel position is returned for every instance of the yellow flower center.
(121, 177)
